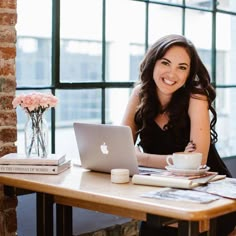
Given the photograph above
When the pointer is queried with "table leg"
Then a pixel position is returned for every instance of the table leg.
(212, 230)
(44, 214)
(9, 191)
(190, 228)
(159, 221)
(64, 220)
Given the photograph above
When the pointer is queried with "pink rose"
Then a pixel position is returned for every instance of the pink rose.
(37, 102)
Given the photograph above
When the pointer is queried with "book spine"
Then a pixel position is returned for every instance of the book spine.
(29, 169)
(33, 162)
(19, 159)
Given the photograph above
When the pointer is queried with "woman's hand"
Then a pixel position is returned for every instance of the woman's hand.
(191, 147)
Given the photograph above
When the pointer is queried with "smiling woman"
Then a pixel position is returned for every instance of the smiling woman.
(169, 99)
(168, 112)
(171, 72)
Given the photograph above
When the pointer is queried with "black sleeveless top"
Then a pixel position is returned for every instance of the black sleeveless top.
(155, 140)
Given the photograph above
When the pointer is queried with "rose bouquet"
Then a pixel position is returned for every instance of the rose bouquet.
(35, 102)
(36, 133)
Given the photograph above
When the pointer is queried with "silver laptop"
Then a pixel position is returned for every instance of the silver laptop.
(103, 147)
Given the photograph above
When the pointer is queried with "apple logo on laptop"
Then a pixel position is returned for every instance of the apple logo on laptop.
(104, 148)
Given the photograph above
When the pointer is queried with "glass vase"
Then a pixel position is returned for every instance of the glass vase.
(36, 135)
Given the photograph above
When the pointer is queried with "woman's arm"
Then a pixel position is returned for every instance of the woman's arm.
(128, 118)
(151, 160)
(144, 159)
(199, 135)
(200, 125)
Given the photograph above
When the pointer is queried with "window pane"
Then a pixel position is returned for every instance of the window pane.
(226, 49)
(136, 55)
(83, 105)
(116, 101)
(226, 125)
(201, 36)
(75, 105)
(205, 4)
(199, 28)
(229, 5)
(81, 40)
(125, 39)
(160, 23)
(225, 59)
(169, 1)
(33, 61)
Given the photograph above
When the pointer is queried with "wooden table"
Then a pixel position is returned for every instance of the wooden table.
(94, 191)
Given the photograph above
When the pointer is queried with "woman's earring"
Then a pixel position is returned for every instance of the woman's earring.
(196, 79)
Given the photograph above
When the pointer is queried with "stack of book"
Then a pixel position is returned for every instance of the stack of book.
(19, 163)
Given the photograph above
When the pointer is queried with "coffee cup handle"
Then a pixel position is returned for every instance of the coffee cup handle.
(169, 160)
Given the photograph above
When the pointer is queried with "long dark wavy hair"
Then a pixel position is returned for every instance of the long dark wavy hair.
(198, 82)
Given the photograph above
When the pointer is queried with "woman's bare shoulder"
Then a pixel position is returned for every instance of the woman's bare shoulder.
(198, 103)
(198, 97)
(137, 89)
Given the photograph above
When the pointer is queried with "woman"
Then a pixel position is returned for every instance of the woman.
(168, 110)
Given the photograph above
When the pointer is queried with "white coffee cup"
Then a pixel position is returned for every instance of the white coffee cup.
(185, 160)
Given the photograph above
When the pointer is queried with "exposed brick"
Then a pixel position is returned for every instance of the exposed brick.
(11, 4)
(7, 149)
(1, 197)
(8, 118)
(6, 102)
(11, 221)
(2, 228)
(8, 213)
(8, 52)
(7, 34)
(8, 18)
(2, 207)
(7, 85)
(7, 67)
(8, 202)
(130, 228)
(8, 134)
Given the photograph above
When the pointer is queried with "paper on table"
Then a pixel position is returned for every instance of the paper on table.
(163, 181)
(181, 195)
(225, 188)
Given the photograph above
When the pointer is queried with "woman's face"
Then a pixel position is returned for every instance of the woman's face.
(171, 71)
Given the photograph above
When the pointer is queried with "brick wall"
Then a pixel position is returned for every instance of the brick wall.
(130, 228)
(8, 131)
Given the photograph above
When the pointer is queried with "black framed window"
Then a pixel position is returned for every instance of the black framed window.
(88, 52)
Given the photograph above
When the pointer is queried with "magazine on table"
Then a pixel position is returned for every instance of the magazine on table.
(225, 188)
(207, 175)
(181, 195)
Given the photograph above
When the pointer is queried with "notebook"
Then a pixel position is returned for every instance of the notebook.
(103, 147)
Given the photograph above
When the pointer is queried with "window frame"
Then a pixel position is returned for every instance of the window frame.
(56, 84)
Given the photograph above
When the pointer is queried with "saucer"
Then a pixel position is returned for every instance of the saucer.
(187, 172)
